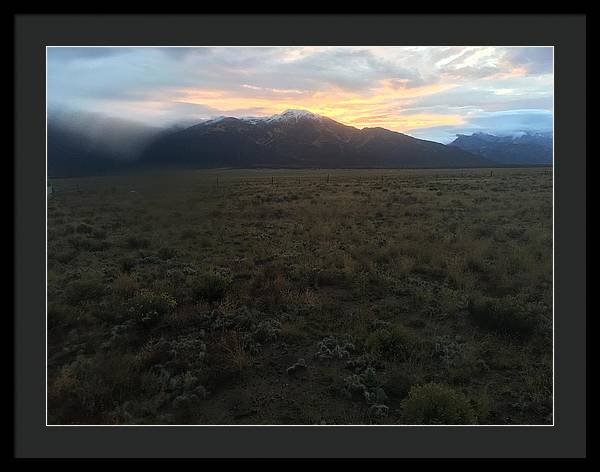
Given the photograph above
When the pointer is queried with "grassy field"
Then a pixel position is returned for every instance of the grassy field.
(301, 297)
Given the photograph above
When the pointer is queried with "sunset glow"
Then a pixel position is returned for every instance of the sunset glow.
(429, 92)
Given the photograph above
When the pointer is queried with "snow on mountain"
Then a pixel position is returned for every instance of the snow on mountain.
(293, 115)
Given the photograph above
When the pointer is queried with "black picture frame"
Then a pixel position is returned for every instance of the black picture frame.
(566, 438)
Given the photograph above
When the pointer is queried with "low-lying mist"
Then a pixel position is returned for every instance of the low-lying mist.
(84, 143)
(119, 138)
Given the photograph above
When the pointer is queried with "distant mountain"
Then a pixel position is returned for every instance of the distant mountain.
(298, 138)
(522, 149)
(87, 144)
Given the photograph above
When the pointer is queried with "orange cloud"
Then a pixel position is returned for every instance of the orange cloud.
(379, 107)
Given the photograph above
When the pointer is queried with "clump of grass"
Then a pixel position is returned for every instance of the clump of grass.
(293, 331)
(188, 234)
(506, 315)
(99, 233)
(329, 277)
(89, 387)
(236, 349)
(124, 285)
(391, 344)
(127, 264)
(210, 287)
(398, 384)
(84, 290)
(437, 404)
(82, 243)
(84, 228)
(167, 253)
(137, 242)
(60, 314)
(451, 301)
(148, 307)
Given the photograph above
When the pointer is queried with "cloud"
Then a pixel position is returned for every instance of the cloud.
(537, 60)
(67, 54)
(400, 88)
(500, 123)
(514, 120)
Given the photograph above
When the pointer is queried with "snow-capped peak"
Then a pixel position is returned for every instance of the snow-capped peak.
(288, 115)
(293, 115)
(214, 120)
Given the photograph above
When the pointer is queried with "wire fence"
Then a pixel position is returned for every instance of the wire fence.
(215, 180)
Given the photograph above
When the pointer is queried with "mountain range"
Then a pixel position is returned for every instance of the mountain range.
(292, 139)
(297, 138)
(521, 149)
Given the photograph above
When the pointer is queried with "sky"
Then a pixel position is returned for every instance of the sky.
(427, 92)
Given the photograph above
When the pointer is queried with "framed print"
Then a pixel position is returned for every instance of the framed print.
(251, 236)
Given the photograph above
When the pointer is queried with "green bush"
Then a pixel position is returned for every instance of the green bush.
(437, 404)
(398, 384)
(328, 277)
(89, 387)
(166, 253)
(136, 242)
(126, 264)
(148, 307)
(505, 315)
(210, 287)
(99, 233)
(61, 315)
(84, 228)
(393, 343)
(88, 244)
(84, 290)
(188, 234)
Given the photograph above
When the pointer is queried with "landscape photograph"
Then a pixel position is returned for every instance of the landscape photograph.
(299, 235)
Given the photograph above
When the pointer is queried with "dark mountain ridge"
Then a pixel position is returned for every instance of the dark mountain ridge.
(298, 138)
(521, 149)
(292, 139)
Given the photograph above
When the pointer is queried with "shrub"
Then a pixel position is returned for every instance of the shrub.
(124, 285)
(398, 384)
(99, 233)
(148, 307)
(84, 228)
(60, 315)
(188, 234)
(126, 264)
(391, 344)
(505, 315)
(237, 350)
(84, 290)
(89, 387)
(437, 404)
(366, 386)
(328, 277)
(136, 242)
(65, 257)
(152, 353)
(266, 331)
(210, 287)
(87, 244)
(166, 253)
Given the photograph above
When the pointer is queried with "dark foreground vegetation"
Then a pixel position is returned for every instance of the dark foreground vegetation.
(291, 297)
